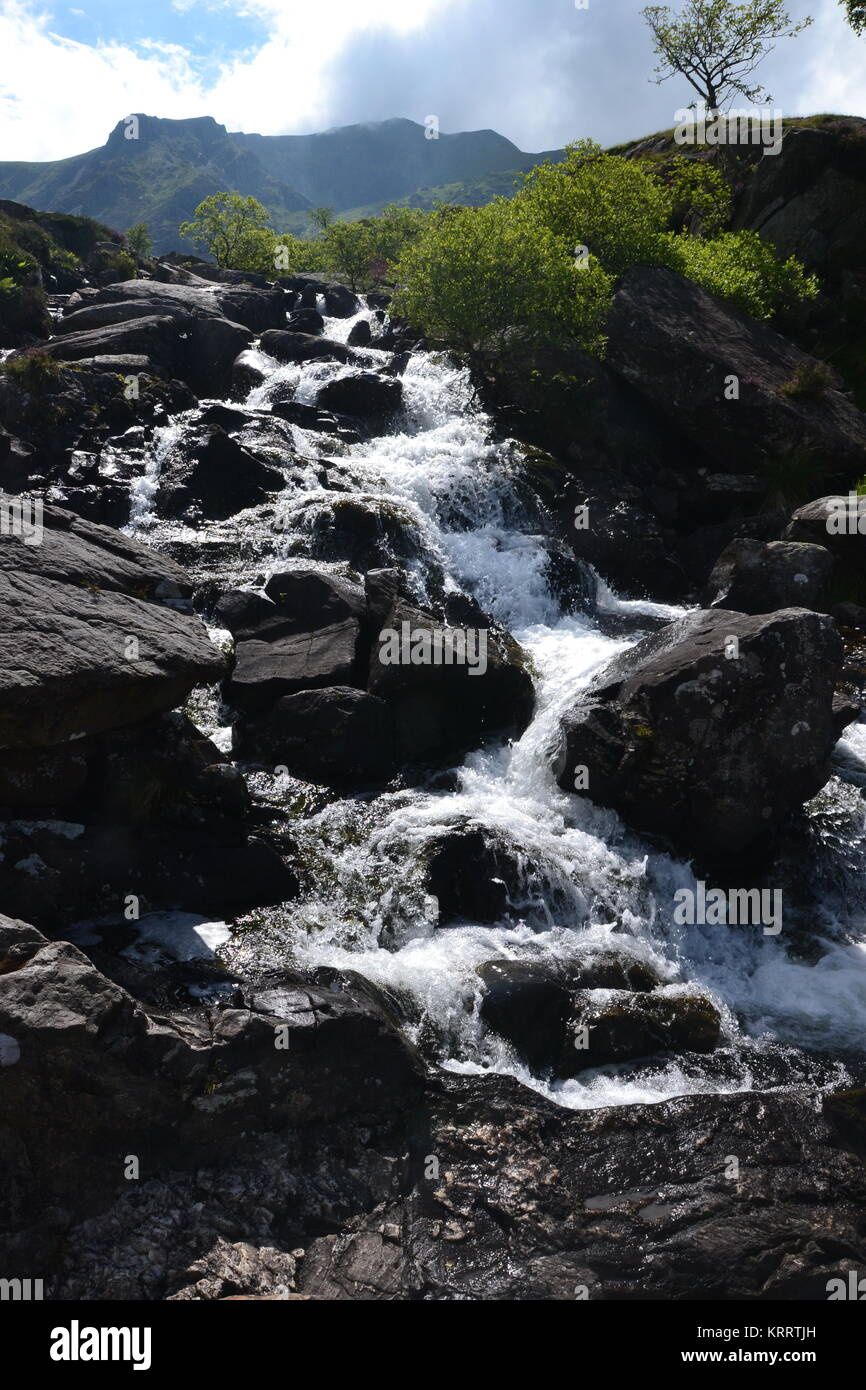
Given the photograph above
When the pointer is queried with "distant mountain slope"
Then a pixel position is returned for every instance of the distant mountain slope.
(161, 177)
(158, 178)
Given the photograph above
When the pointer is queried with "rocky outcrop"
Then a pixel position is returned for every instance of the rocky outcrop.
(86, 652)
(103, 793)
(751, 577)
(294, 345)
(210, 476)
(442, 709)
(711, 731)
(326, 648)
(682, 349)
(89, 1071)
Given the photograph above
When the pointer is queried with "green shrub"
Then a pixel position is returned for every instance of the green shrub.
(615, 207)
(701, 197)
(32, 369)
(477, 275)
(810, 379)
(739, 266)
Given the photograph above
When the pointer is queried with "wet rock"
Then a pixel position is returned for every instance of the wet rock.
(96, 1073)
(752, 577)
(84, 651)
(306, 321)
(713, 730)
(528, 1004)
(443, 710)
(265, 670)
(363, 394)
(471, 875)
(538, 1004)
(210, 475)
(360, 335)
(338, 737)
(292, 346)
(621, 1026)
(311, 599)
(366, 533)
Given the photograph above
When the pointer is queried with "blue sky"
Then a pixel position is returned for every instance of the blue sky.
(541, 72)
(212, 34)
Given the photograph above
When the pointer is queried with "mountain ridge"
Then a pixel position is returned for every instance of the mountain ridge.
(160, 173)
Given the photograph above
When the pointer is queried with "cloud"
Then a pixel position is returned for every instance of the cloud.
(539, 71)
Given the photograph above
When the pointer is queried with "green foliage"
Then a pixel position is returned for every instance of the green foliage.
(856, 12)
(15, 265)
(613, 206)
(139, 240)
(701, 197)
(739, 266)
(478, 276)
(32, 370)
(716, 45)
(810, 379)
(471, 274)
(226, 225)
(321, 219)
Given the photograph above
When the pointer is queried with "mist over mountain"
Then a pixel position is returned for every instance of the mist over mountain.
(160, 176)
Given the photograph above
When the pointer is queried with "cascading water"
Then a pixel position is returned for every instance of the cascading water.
(588, 884)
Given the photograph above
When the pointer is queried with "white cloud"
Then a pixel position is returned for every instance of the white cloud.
(539, 71)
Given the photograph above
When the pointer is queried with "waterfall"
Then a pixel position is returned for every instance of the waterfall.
(588, 885)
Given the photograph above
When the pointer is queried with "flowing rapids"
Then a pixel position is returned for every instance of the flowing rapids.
(793, 1006)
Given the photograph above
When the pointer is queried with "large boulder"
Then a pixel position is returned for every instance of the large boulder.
(287, 345)
(287, 663)
(305, 635)
(753, 577)
(338, 737)
(159, 337)
(712, 730)
(472, 875)
(363, 394)
(563, 1018)
(91, 1074)
(837, 522)
(442, 709)
(255, 309)
(86, 647)
(679, 347)
(210, 475)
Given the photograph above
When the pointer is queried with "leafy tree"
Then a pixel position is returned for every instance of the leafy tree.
(856, 12)
(614, 207)
(349, 251)
(482, 276)
(716, 45)
(139, 240)
(226, 225)
(321, 219)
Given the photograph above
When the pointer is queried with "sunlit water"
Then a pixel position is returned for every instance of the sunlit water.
(589, 885)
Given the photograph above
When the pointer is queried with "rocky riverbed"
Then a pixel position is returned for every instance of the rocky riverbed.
(333, 971)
